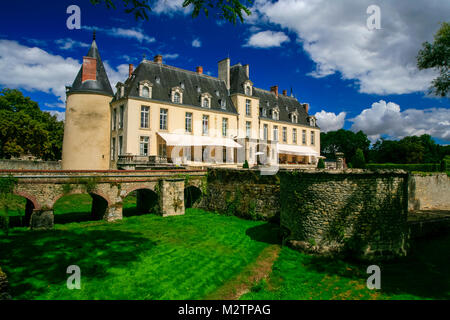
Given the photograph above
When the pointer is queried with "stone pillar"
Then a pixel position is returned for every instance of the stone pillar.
(171, 197)
(29, 207)
(114, 212)
(42, 220)
(339, 160)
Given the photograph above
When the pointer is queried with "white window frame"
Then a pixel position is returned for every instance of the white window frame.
(248, 107)
(144, 140)
(224, 127)
(248, 129)
(188, 122)
(205, 125)
(163, 119)
(145, 117)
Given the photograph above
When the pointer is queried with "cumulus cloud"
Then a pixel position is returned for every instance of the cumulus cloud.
(336, 37)
(386, 118)
(68, 44)
(329, 121)
(267, 39)
(32, 68)
(196, 43)
(60, 115)
(136, 33)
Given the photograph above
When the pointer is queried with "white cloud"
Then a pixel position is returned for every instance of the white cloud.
(387, 119)
(136, 33)
(196, 43)
(267, 39)
(335, 35)
(170, 56)
(68, 44)
(34, 69)
(119, 74)
(60, 115)
(329, 121)
(170, 7)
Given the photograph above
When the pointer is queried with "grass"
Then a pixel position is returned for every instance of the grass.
(196, 256)
(423, 275)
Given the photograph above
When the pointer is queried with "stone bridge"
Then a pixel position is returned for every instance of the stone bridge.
(108, 189)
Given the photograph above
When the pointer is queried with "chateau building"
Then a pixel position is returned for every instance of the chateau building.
(163, 115)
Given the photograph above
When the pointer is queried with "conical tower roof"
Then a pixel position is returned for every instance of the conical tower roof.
(101, 85)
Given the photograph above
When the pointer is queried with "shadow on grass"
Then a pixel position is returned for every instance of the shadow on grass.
(424, 273)
(35, 260)
(268, 232)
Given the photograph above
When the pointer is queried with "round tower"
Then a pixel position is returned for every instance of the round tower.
(86, 144)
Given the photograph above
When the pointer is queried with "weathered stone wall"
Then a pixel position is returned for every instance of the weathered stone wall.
(6, 164)
(244, 193)
(429, 192)
(357, 211)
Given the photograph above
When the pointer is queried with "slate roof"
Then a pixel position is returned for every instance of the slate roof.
(101, 85)
(170, 77)
(267, 99)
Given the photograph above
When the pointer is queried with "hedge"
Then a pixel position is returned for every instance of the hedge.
(423, 167)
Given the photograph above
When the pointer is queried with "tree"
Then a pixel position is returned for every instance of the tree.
(437, 56)
(245, 166)
(321, 164)
(229, 10)
(358, 160)
(26, 129)
(343, 141)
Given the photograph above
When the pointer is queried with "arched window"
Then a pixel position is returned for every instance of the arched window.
(205, 102)
(247, 90)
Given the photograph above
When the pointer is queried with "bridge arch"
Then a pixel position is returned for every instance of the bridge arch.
(192, 194)
(29, 197)
(72, 192)
(146, 200)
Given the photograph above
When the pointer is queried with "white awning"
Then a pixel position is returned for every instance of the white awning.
(187, 140)
(297, 150)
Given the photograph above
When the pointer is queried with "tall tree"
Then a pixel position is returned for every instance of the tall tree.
(344, 141)
(25, 129)
(228, 10)
(436, 56)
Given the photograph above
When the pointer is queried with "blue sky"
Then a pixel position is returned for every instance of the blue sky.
(351, 76)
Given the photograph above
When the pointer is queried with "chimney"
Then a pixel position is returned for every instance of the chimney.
(285, 93)
(247, 70)
(274, 89)
(130, 70)
(158, 59)
(306, 106)
(224, 71)
(200, 70)
(89, 69)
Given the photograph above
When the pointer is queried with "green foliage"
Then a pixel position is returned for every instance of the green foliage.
(67, 188)
(321, 164)
(7, 202)
(436, 56)
(424, 167)
(343, 141)
(245, 166)
(228, 10)
(25, 129)
(358, 159)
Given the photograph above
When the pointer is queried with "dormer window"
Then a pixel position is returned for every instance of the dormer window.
(223, 104)
(158, 80)
(145, 89)
(182, 85)
(276, 114)
(217, 93)
(312, 121)
(294, 117)
(264, 112)
(206, 100)
(248, 87)
(177, 95)
(199, 90)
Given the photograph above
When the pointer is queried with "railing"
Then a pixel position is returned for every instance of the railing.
(124, 159)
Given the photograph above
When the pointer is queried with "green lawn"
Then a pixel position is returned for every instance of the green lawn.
(192, 256)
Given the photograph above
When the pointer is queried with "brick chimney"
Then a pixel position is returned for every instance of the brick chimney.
(285, 93)
(89, 69)
(200, 70)
(274, 89)
(158, 59)
(130, 70)
(306, 106)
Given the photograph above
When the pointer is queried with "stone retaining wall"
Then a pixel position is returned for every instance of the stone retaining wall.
(6, 164)
(429, 192)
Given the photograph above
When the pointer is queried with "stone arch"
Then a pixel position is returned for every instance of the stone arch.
(31, 205)
(147, 200)
(192, 194)
(97, 193)
(36, 204)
